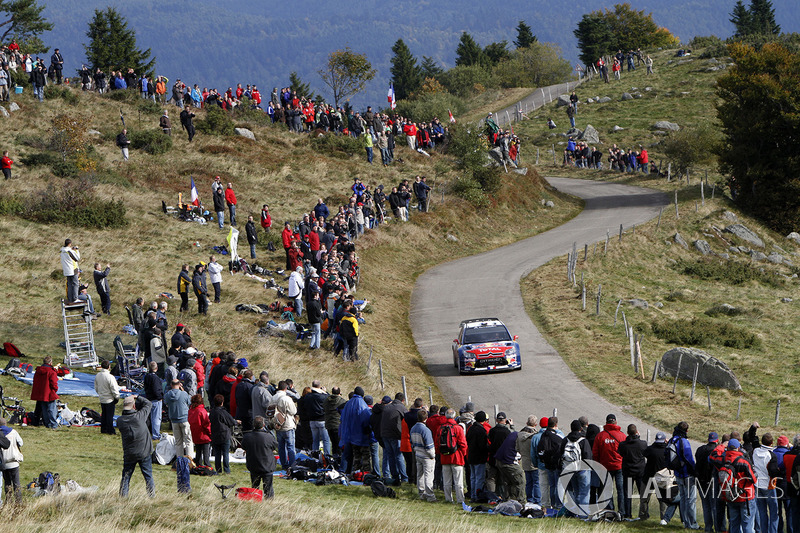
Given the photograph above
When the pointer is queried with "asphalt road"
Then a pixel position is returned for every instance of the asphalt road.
(488, 285)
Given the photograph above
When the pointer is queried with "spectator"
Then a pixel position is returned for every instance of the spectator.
(266, 220)
(108, 392)
(222, 424)
(154, 392)
(69, 266)
(452, 463)
(296, 286)
(178, 402)
(101, 284)
(713, 508)
(633, 464)
(523, 446)
(200, 290)
(477, 454)
(315, 405)
(123, 143)
(230, 199)
(252, 236)
(218, 196)
(57, 62)
(44, 391)
(573, 450)
(244, 400)
(355, 432)
(497, 436)
(10, 458)
(200, 426)
(509, 468)
(261, 395)
(285, 412)
(186, 121)
(391, 433)
(605, 451)
(425, 456)
(215, 271)
(5, 164)
(549, 456)
(741, 519)
(765, 467)
(137, 447)
(333, 403)
(184, 282)
(260, 447)
(684, 473)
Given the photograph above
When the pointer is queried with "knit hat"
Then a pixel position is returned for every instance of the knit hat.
(783, 440)
(480, 416)
(359, 391)
(544, 421)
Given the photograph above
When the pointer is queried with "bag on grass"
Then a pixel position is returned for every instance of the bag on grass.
(380, 490)
(182, 470)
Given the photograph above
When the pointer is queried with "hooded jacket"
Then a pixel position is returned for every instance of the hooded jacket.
(605, 449)
(523, 445)
(354, 428)
(684, 448)
(632, 452)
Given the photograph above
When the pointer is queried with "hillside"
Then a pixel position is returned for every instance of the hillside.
(244, 43)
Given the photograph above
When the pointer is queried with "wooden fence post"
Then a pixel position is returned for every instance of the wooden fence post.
(677, 216)
(694, 380)
(599, 292)
(616, 312)
(620, 233)
(778, 413)
(405, 393)
(380, 367)
(583, 294)
(585, 251)
(631, 342)
(625, 323)
(430, 396)
(708, 394)
(655, 372)
(677, 373)
(659, 217)
(703, 192)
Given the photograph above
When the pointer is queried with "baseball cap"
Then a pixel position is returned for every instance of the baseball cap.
(386, 399)
(733, 444)
(368, 399)
(611, 418)
(713, 437)
(661, 437)
(500, 416)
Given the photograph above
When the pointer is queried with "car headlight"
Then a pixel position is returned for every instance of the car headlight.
(469, 356)
(511, 352)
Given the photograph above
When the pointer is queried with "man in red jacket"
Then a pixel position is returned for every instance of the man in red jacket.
(45, 387)
(5, 164)
(452, 463)
(266, 219)
(434, 421)
(605, 452)
(286, 237)
(230, 199)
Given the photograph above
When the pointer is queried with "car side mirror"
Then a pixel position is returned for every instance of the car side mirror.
(455, 341)
(516, 337)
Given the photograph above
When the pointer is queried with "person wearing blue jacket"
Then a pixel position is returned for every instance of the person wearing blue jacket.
(356, 432)
(685, 474)
(544, 483)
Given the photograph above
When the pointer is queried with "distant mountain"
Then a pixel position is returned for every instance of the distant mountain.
(218, 44)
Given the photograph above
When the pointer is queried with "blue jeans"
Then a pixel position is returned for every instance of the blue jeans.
(286, 448)
(572, 121)
(220, 452)
(221, 218)
(767, 504)
(741, 517)
(687, 489)
(619, 486)
(298, 305)
(232, 209)
(252, 251)
(155, 419)
(477, 478)
(579, 485)
(397, 464)
(385, 159)
(320, 434)
(315, 335)
(713, 507)
(369, 154)
(374, 451)
(146, 466)
(49, 414)
(552, 479)
(532, 492)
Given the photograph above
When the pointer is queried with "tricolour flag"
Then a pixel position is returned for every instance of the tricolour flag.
(390, 96)
(452, 118)
(195, 196)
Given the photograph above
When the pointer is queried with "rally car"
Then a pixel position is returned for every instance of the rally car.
(485, 345)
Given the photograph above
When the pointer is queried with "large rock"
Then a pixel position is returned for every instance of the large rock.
(730, 216)
(666, 125)
(563, 100)
(590, 135)
(680, 240)
(711, 372)
(13, 107)
(702, 246)
(794, 237)
(638, 303)
(745, 234)
(604, 100)
(244, 132)
(627, 96)
(775, 258)
(755, 255)
(3, 111)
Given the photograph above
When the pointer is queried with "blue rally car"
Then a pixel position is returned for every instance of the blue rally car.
(485, 345)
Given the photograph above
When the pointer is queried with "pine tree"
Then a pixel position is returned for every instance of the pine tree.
(112, 46)
(303, 90)
(23, 20)
(406, 75)
(430, 68)
(497, 52)
(468, 52)
(762, 18)
(525, 37)
(740, 18)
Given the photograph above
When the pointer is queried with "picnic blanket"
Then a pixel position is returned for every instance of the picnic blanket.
(81, 385)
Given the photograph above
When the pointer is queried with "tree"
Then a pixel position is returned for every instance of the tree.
(740, 18)
(594, 37)
(762, 18)
(112, 45)
(22, 20)
(303, 90)
(429, 68)
(468, 52)
(525, 37)
(497, 52)
(346, 73)
(759, 111)
(538, 65)
(406, 75)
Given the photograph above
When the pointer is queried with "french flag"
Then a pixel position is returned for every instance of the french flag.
(390, 96)
(195, 196)
(452, 118)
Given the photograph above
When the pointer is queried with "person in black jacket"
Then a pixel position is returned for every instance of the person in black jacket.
(219, 206)
(315, 406)
(314, 319)
(123, 143)
(57, 62)
(477, 454)
(154, 391)
(497, 435)
(244, 400)
(222, 424)
(260, 446)
(581, 479)
(656, 461)
(708, 486)
(252, 236)
(137, 447)
(186, 122)
(548, 451)
(391, 433)
(200, 291)
(633, 463)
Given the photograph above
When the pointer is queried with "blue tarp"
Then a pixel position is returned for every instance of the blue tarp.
(83, 385)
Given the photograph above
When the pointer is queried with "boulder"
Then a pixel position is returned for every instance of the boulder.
(617, 128)
(638, 303)
(452, 238)
(775, 258)
(794, 237)
(745, 234)
(574, 132)
(658, 305)
(604, 100)
(590, 135)
(627, 96)
(93, 132)
(725, 256)
(680, 240)
(702, 246)
(711, 371)
(563, 100)
(730, 216)
(13, 107)
(665, 125)
(661, 132)
(786, 300)
(3, 111)
(244, 132)
(549, 203)
(757, 256)
(744, 249)
(733, 249)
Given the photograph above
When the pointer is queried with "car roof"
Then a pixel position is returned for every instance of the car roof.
(481, 323)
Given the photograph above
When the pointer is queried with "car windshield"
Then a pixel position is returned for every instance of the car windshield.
(486, 334)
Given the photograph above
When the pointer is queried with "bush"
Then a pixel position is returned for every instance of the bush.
(37, 142)
(469, 189)
(704, 41)
(217, 122)
(39, 159)
(19, 78)
(704, 331)
(730, 272)
(51, 92)
(245, 112)
(10, 205)
(341, 146)
(466, 81)
(64, 168)
(489, 179)
(149, 107)
(151, 141)
(123, 95)
(692, 146)
(428, 106)
(74, 203)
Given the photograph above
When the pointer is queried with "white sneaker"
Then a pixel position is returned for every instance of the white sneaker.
(663, 522)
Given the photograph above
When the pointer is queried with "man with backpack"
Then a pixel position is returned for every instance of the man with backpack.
(451, 444)
(737, 486)
(605, 452)
(549, 456)
(573, 451)
(188, 377)
(681, 461)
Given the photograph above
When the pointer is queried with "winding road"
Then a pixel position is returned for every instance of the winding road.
(488, 285)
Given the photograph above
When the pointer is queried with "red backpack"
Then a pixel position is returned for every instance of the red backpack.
(735, 485)
(448, 445)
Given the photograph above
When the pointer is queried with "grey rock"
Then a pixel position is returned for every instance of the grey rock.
(684, 61)
(757, 256)
(711, 371)
(562, 135)
(661, 132)
(93, 132)
(775, 258)
(634, 89)
(13, 107)
(590, 100)
(523, 171)
(3, 111)
(786, 300)
(780, 250)
(794, 237)
(744, 249)
(648, 89)
(702, 246)
(733, 249)
(452, 238)
(680, 240)
(670, 61)
(563, 100)
(712, 61)
(723, 255)
(723, 309)
(549, 203)
(731, 216)
(788, 262)
(745, 234)
(638, 303)
(574, 132)
(617, 128)
(244, 132)
(666, 125)
(604, 100)
(658, 305)
(627, 96)
(590, 135)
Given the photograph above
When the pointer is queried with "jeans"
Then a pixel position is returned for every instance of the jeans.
(320, 435)
(552, 480)
(369, 154)
(221, 219)
(579, 488)
(544, 488)
(477, 474)
(629, 483)
(202, 454)
(252, 251)
(687, 489)
(375, 455)
(453, 480)
(397, 465)
(767, 504)
(385, 159)
(49, 414)
(532, 492)
(315, 335)
(298, 305)
(572, 121)
(221, 456)
(232, 209)
(741, 517)
(217, 291)
(619, 486)
(425, 467)
(146, 466)
(713, 507)
(286, 448)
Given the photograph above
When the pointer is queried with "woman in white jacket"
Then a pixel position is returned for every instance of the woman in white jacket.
(12, 457)
(215, 271)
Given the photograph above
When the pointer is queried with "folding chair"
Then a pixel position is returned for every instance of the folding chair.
(129, 369)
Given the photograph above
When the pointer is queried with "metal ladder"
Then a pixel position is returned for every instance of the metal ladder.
(78, 335)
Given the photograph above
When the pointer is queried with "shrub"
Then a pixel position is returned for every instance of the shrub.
(704, 331)
(726, 310)
(217, 122)
(704, 41)
(122, 95)
(10, 205)
(39, 159)
(65, 168)
(37, 142)
(19, 78)
(245, 112)
(341, 146)
(489, 179)
(431, 105)
(149, 107)
(469, 189)
(462, 80)
(74, 203)
(151, 141)
(730, 272)
(691, 146)
(51, 92)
